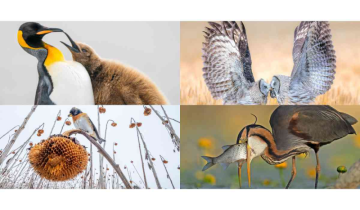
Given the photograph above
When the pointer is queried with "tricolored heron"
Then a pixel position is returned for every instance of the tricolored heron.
(295, 130)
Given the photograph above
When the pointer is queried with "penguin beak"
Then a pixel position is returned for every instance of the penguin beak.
(46, 30)
(74, 47)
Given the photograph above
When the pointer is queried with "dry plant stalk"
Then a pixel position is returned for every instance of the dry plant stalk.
(141, 157)
(168, 175)
(169, 126)
(13, 140)
(103, 153)
(148, 158)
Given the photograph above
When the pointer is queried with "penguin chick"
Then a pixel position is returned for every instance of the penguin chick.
(115, 83)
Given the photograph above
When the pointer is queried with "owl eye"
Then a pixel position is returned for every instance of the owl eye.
(84, 50)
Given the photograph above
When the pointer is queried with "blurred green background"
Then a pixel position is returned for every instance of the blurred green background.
(205, 129)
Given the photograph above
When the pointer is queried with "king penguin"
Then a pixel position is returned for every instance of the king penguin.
(61, 82)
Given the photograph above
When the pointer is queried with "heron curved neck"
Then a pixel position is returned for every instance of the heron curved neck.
(271, 153)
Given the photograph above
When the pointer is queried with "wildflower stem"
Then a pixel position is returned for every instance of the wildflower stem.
(103, 153)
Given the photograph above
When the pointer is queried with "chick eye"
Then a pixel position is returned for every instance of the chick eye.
(84, 50)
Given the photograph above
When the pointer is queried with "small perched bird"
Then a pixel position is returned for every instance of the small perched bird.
(314, 66)
(295, 130)
(84, 123)
(114, 83)
(60, 81)
(227, 66)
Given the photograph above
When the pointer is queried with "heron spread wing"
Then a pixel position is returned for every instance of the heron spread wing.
(314, 62)
(227, 61)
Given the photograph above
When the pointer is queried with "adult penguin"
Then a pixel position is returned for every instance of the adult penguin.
(60, 81)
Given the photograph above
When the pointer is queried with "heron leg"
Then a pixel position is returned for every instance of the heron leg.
(293, 173)
(317, 167)
(240, 163)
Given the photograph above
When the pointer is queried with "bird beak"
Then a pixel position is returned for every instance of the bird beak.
(240, 162)
(248, 161)
(70, 115)
(74, 47)
(46, 30)
(272, 93)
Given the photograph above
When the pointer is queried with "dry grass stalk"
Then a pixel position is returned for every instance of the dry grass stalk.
(168, 175)
(103, 153)
(147, 153)
(168, 125)
(141, 157)
(13, 140)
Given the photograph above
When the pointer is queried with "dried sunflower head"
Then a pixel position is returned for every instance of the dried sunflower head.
(58, 158)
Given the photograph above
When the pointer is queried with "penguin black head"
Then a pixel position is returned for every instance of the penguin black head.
(30, 34)
(74, 111)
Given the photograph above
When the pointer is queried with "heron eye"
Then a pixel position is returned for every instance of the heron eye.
(84, 50)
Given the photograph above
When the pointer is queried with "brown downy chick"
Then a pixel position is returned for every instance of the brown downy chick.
(115, 83)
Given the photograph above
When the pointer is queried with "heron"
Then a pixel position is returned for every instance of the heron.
(296, 129)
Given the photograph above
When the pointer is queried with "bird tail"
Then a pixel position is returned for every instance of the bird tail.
(210, 162)
(101, 140)
(98, 138)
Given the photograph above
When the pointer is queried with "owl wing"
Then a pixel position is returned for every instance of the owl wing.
(227, 61)
(314, 62)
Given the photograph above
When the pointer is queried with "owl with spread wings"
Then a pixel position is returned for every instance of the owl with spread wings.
(227, 66)
(314, 66)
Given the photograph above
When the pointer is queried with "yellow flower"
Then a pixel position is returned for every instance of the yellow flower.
(266, 182)
(205, 143)
(199, 175)
(357, 141)
(302, 155)
(210, 179)
(281, 165)
(311, 173)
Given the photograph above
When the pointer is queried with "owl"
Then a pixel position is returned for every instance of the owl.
(314, 66)
(227, 66)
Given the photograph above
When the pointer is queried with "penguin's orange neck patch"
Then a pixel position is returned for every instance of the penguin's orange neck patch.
(54, 55)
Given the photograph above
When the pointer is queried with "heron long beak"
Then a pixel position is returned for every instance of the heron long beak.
(49, 30)
(74, 47)
(240, 162)
(248, 150)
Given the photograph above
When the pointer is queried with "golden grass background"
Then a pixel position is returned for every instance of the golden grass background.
(271, 53)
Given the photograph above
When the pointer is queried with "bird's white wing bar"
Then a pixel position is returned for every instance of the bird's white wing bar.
(227, 61)
(314, 71)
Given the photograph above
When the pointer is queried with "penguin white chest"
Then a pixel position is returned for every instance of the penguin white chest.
(71, 84)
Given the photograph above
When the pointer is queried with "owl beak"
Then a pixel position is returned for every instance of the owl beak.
(272, 93)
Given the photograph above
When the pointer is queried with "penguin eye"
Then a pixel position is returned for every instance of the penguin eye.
(84, 50)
